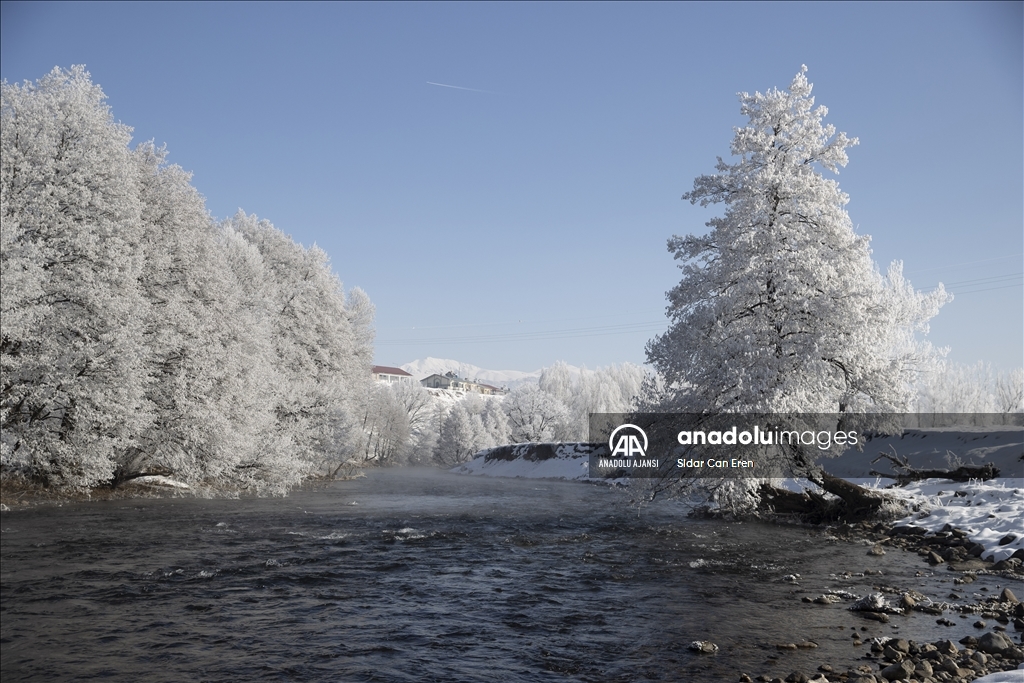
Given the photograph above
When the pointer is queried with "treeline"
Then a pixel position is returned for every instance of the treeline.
(407, 424)
(949, 387)
(139, 336)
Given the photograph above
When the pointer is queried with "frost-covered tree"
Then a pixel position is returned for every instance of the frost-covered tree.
(780, 307)
(611, 389)
(384, 426)
(322, 344)
(138, 337)
(470, 426)
(71, 357)
(948, 387)
(535, 415)
(458, 437)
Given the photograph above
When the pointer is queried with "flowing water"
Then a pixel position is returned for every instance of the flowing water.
(420, 575)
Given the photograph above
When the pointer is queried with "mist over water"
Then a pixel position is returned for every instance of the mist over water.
(420, 575)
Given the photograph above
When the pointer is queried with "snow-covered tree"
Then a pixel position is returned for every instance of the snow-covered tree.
(948, 387)
(611, 389)
(780, 307)
(71, 308)
(322, 342)
(139, 337)
(470, 426)
(535, 415)
(458, 438)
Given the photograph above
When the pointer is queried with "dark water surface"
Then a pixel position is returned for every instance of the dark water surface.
(419, 575)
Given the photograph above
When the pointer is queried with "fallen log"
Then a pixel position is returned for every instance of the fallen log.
(905, 473)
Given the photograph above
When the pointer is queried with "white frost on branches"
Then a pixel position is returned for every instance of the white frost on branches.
(780, 307)
(141, 338)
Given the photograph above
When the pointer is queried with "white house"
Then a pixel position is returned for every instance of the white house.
(389, 375)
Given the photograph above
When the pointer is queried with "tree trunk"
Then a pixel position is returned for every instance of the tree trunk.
(854, 502)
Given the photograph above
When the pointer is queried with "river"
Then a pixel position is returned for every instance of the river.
(421, 575)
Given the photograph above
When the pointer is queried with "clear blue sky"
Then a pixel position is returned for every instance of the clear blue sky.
(523, 219)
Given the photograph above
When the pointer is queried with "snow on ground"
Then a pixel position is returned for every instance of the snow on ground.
(989, 512)
(1003, 677)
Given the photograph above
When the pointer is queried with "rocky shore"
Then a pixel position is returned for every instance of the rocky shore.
(997, 622)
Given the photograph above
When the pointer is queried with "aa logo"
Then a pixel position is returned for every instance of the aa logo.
(626, 441)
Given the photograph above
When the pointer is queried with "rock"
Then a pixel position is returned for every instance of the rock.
(969, 641)
(944, 622)
(934, 558)
(785, 646)
(807, 645)
(1018, 553)
(980, 658)
(969, 565)
(900, 671)
(946, 647)
(1007, 596)
(876, 616)
(876, 550)
(797, 677)
(907, 602)
(861, 678)
(704, 647)
(995, 643)
(1010, 563)
(1007, 539)
(827, 599)
(890, 654)
(900, 645)
(825, 668)
(923, 669)
(745, 678)
(980, 624)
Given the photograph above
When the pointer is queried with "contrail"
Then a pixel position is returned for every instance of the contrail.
(459, 87)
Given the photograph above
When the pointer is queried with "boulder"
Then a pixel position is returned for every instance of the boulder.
(995, 643)
(900, 671)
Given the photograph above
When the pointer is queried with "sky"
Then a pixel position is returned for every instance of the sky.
(502, 179)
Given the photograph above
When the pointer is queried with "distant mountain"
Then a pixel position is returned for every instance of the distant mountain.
(500, 378)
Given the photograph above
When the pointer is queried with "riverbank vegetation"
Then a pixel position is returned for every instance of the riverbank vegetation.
(142, 338)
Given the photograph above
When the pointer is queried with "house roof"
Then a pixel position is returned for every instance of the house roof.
(388, 370)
